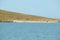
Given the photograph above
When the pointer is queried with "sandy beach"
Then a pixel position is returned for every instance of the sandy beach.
(36, 21)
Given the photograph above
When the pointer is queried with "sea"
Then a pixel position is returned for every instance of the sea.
(29, 31)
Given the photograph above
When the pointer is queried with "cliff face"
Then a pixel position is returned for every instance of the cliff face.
(10, 16)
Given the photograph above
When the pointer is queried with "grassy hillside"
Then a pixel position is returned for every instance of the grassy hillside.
(9, 16)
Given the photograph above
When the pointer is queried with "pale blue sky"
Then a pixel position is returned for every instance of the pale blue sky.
(47, 8)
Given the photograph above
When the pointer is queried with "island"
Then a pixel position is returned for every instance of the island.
(8, 16)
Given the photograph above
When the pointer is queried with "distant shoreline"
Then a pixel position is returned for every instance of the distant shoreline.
(29, 21)
(6, 21)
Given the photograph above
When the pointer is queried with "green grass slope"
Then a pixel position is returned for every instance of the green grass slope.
(9, 16)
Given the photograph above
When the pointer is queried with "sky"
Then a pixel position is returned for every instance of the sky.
(46, 8)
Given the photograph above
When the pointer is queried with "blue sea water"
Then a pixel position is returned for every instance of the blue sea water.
(29, 31)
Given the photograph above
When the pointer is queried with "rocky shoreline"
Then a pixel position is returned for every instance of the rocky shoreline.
(6, 21)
